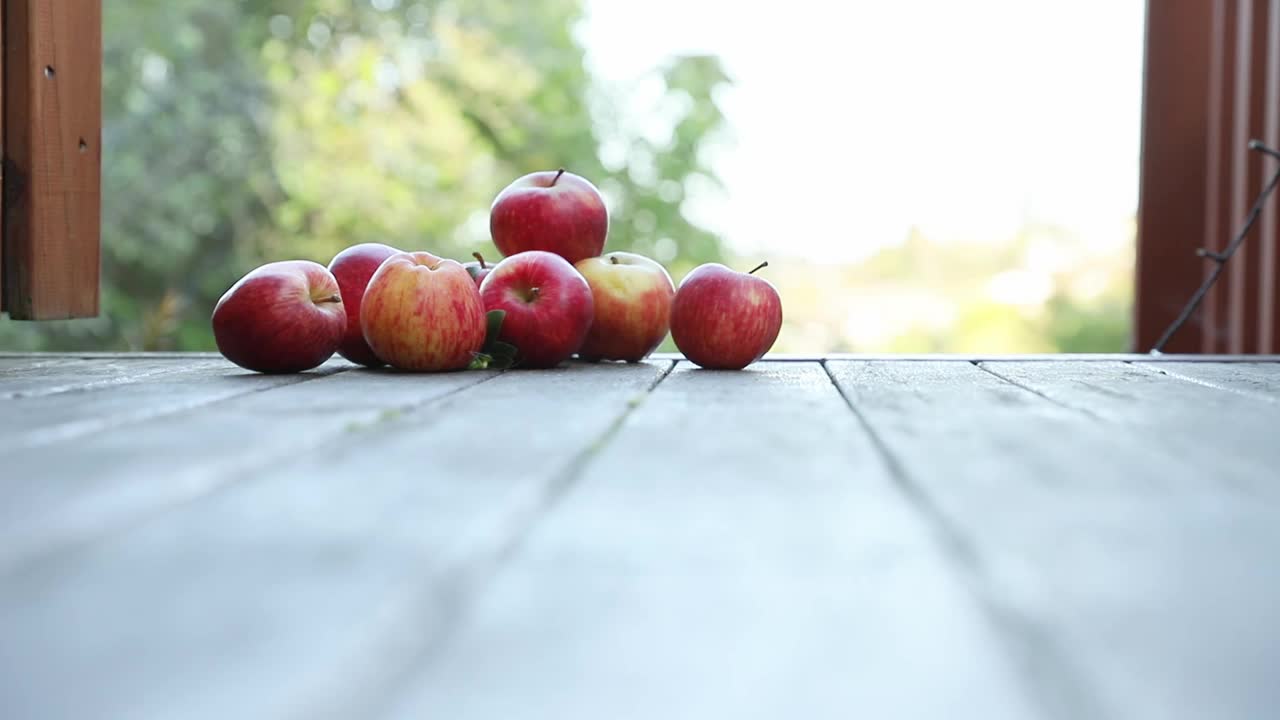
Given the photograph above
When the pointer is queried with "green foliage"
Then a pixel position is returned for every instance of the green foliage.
(242, 132)
(495, 355)
(1098, 327)
(1043, 290)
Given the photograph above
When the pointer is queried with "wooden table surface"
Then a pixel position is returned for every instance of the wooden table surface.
(1083, 538)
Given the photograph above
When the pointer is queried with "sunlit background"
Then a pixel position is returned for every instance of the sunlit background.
(922, 175)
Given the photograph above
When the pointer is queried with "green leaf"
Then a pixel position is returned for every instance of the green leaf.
(501, 363)
(499, 355)
(493, 326)
(502, 350)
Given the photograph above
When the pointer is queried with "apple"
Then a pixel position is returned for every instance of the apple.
(555, 211)
(632, 297)
(353, 267)
(547, 303)
(478, 269)
(422, 312)
(282, 317)
(725, 319)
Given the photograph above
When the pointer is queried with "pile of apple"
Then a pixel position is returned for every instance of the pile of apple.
(554, 295)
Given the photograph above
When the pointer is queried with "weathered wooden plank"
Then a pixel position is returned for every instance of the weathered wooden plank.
(1218, 433)
(737, 551)
(1151, 579)
(40, 420)
(53, 157)
(76, 490)
(72, 375)
(1261, 380)
(11, 364)
(303, 590)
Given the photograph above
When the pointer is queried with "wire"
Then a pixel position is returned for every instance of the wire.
(1220, 258)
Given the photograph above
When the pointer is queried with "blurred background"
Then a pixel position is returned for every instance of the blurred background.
(923, 176)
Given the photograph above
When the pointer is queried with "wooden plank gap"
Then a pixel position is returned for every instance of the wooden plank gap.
(397, 530)
(1050, 671)
(84, 426)
(113, 516)
(88, 383)
(558, 486)
(985, 367)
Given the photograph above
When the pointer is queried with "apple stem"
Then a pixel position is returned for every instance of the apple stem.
(762, 265)
(480, 258)
(613, 259)
(557, 177)
(331, 299)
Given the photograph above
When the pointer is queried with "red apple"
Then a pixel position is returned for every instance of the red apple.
(282, 317)
(478, 269)
(725, 319)
(421, 312)
(555, 211)
(353, 267)
(632, 296)
(548, 306)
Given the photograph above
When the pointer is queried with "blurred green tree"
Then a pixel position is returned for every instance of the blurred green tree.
(246, 131)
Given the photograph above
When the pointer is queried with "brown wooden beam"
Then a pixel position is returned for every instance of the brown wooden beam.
(1269, 253)
(1212, 85)
(1174, 174)
(1219, 223)
(4, 300)
(1248, 61)
(52, 157)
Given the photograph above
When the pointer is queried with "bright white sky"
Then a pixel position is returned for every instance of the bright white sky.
(853, 121)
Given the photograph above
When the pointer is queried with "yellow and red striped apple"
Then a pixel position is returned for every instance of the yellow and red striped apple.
(632, 297)
(421, 312)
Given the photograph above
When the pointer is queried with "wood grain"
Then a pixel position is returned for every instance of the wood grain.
(1147, 580)
(306, 587)
(40, 418)
(1211, 431)
(914, 539)
(53, 156)
(74, 376)
(72, 490)
(1258, 380)
(738, 551)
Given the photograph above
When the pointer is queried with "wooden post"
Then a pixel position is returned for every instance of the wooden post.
(52, 130)
(4, 299)
(1212, 84)
(1175, 175)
